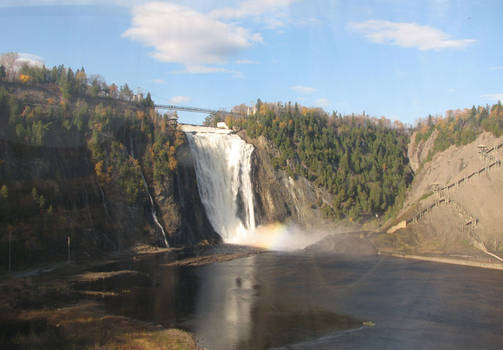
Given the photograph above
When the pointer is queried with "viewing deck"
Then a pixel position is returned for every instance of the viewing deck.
(203, 129)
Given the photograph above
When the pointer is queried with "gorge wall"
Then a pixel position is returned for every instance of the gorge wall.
(465, 211)
(96, 170)
(82, 186)
(281, 198)
(418, 151)
(98, 217)
(240, 189)
(93, 171)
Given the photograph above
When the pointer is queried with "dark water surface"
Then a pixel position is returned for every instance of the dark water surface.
(300, 301)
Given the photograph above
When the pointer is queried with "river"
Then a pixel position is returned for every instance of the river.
(305, 301)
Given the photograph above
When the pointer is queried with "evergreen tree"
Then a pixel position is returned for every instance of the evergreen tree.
(353, 157)
(3, 73)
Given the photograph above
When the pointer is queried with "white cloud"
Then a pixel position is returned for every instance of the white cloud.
(322, 102)
(158, 81)
(496, 68)
(493, 97)
(303, 89)
(14, 61)
(179, 99)
(246, 62)
(29, 59)
(451, 90)
(408, 34)
(179, 34)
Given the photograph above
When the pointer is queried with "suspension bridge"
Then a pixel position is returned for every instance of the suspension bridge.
(198, 110)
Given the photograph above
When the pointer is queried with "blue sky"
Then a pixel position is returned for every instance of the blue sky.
(399, 59)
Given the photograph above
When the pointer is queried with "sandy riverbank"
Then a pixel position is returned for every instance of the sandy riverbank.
(444, 260)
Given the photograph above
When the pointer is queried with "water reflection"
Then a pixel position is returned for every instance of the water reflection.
(298, 301)
(241, 304)
(245, 304)
(168, 302)
(224, 304)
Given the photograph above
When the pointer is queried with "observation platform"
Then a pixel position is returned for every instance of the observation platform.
(203, 129)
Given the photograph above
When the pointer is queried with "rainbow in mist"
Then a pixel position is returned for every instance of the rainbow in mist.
(278, 236)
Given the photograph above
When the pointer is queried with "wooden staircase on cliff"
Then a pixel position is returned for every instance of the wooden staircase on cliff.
(442, 198)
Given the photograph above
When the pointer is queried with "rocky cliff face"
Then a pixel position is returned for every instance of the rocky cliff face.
(96, 217)
(53, 194)
(279, 197)
(194, 224)
(82, 171)
(418, 151)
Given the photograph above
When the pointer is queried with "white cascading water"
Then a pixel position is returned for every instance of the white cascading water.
(223, 166)
(152, 204)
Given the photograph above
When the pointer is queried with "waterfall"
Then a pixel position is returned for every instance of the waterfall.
(223, 166)
(152, 204)
(154, 212)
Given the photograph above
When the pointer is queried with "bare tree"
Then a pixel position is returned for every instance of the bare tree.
(8, 61)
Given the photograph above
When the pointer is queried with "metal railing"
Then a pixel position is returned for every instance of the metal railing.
(197, 110)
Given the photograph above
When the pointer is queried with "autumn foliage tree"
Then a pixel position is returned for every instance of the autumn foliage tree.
(109, 145)
(362, 161)
(460, 127)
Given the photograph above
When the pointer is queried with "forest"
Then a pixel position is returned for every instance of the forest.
(120, 148)
(73, 155)
(361, 160)
(460, 127)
